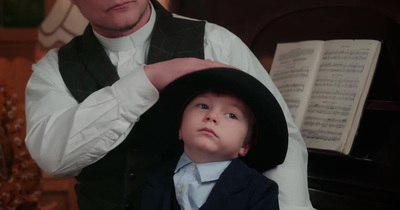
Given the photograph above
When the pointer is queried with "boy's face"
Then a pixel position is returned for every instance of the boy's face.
(214, 128)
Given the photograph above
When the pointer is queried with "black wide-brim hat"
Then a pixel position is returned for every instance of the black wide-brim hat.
(162, 120)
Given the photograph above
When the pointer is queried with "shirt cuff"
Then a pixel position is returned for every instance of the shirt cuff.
(135, 93)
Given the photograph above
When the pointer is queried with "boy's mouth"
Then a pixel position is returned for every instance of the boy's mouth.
(208, 130)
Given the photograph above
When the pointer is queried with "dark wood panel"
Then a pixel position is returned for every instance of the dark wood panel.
(18, 42)
(324, 200)
(247, 18)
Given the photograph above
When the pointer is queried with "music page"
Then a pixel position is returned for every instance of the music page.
(339, 93)
(293, 71)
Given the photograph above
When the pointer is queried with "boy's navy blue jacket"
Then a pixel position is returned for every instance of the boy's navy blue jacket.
(238, 188)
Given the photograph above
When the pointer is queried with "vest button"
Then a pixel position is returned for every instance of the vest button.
(128, 206)
(131, 176)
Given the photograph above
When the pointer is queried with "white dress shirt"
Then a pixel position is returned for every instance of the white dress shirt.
(64, 136)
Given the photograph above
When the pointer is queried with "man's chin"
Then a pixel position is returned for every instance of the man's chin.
(123, 28)
(114, 31)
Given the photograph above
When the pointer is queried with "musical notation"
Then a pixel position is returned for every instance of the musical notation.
(341, 68)
(325, 124)
(329, 109)
(293, 103)
(295, 53)
(337, 95)
(321, 135)
(291, 73)
(325, 85)
(336, 83)
(289, 88)
(345, 54)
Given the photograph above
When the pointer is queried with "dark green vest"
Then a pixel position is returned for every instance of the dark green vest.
(115, 181)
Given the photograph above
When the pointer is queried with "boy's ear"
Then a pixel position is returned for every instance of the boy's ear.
(179, 134)
(243, 151)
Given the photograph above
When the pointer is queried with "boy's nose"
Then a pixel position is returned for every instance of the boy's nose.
(210, 117)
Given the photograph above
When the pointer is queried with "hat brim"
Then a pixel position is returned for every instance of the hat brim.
(271, 128)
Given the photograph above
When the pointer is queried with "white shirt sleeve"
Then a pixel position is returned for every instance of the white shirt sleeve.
(64, 136)
(291, 176)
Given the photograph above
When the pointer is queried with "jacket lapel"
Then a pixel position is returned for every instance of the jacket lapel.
(164, 40)
(96, 60)
(159, 191)
(228, 192)
(174, 37)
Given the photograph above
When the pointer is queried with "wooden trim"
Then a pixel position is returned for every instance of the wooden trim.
(383, 105)
(18, 42)
(18, 34)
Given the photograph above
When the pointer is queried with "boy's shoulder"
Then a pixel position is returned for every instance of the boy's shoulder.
(238, 170)
(248, 187)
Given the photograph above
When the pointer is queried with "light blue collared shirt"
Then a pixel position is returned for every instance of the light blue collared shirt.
(194, 182)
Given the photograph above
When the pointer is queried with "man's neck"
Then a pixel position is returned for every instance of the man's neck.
(116, 34)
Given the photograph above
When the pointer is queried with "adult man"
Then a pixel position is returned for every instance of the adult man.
(84, 101)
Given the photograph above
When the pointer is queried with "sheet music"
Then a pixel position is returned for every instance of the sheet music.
(339, 86)
(293, 70)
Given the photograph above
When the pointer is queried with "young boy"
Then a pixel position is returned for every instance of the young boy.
(228, 116)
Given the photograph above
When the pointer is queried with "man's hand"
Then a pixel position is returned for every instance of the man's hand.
(162, 73)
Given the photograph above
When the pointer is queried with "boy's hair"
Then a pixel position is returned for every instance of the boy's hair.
(251, 138)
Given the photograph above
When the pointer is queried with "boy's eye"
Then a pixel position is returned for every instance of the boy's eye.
(231, 115)
(202, 106)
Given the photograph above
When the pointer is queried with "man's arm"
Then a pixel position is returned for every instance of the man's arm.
(64, 136)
